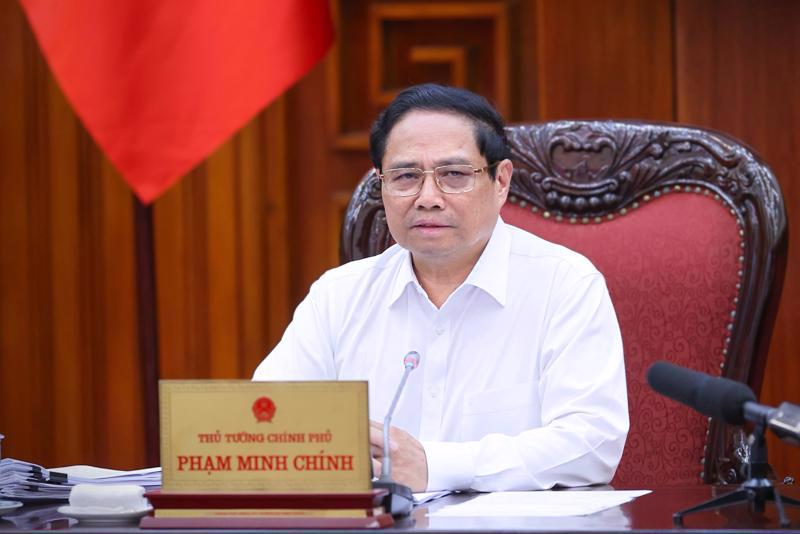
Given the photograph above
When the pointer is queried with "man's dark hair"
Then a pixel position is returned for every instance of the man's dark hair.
(489, 129)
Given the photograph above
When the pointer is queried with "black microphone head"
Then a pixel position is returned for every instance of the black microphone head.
(720, 398)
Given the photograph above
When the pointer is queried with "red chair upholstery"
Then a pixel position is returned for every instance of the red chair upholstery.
(689, 229)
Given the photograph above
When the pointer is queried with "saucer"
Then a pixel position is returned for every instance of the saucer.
(7, 506)
(102, 517)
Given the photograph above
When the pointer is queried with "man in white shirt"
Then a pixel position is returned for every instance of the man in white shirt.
(521, 383)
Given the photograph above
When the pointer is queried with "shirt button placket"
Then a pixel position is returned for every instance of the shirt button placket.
(435, 374)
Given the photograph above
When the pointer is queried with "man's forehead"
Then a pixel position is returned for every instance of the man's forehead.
(424, 117)
(447, 138)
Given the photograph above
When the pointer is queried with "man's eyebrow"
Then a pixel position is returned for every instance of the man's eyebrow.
(453, 161)
(456, 160)
(403, 165)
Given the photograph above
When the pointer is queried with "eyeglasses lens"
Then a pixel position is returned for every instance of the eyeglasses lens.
(449, 178)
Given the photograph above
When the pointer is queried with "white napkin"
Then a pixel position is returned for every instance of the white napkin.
(96, 498)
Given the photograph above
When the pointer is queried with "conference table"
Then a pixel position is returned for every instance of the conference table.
(649, 513)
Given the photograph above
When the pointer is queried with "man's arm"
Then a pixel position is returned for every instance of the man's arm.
(584, 411)
(305, 352)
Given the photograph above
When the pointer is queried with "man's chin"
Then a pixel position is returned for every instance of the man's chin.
(430, 252)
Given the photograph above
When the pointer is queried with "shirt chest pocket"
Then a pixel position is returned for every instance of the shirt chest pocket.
(507, 410)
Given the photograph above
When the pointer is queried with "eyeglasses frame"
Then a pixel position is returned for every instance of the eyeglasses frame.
(475, 172)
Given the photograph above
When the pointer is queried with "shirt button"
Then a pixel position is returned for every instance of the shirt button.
(439, 330)
(433, 391)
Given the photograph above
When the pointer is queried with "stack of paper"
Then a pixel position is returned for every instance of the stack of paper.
(539, 503)
(30, 482)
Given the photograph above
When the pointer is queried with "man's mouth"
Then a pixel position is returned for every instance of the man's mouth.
(429, 224)
(429, 228)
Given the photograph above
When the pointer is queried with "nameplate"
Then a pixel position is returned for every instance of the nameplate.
(237, 435)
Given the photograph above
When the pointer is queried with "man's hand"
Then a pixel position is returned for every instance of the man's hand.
(409, 464)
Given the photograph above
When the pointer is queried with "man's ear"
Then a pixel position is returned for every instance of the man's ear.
(502, 177)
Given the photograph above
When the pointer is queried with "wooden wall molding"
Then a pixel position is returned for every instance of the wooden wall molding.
(465, 44)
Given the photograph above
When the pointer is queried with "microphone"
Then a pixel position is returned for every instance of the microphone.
(719, 398)
(410, 362)
(723, 399)
(400, 499)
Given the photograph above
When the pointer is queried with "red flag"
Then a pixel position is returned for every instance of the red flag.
(160, 84)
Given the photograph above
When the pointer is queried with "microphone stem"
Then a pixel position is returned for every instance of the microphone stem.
(386, 466)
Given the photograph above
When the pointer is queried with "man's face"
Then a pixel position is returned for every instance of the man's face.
(442, 228)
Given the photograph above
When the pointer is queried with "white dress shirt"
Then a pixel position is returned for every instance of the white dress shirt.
(521, 383)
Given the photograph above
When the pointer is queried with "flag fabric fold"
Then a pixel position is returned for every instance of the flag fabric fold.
(160, 84)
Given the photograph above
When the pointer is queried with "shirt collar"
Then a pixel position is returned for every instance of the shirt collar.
(489, 274)
(491, 270)
(404, 276)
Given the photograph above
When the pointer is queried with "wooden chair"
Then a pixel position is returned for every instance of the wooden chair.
(689, 229)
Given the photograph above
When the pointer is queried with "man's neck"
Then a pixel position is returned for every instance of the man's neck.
(440, 278)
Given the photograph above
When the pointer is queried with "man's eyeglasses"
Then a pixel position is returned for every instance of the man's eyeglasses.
(448, 178)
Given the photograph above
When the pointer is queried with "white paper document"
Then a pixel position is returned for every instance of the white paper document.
(539, 503)
(100, 475)
(422, 498)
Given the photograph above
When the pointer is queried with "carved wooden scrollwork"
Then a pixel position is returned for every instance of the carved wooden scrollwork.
(364, 230)
(591, 169)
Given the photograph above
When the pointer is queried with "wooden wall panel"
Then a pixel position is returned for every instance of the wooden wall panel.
(70, 378)
(316, 170)
(18, 366)
(222, 257)
(68, 352)
(610, 59)
(66, 272)
(110, 329)
(264, 235)
(738, 70)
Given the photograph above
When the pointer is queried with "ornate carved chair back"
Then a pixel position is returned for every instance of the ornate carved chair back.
(689, 229)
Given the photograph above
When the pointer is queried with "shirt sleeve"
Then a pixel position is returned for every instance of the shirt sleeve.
(305, 352)
(584, 409)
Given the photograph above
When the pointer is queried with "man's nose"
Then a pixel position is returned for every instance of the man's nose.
(430, 196)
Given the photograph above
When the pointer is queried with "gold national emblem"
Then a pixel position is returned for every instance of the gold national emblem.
(264, 409)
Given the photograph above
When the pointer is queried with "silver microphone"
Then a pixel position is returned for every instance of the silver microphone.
(410, 362)
(399, 500)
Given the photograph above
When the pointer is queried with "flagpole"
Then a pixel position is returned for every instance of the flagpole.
(146, 310)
